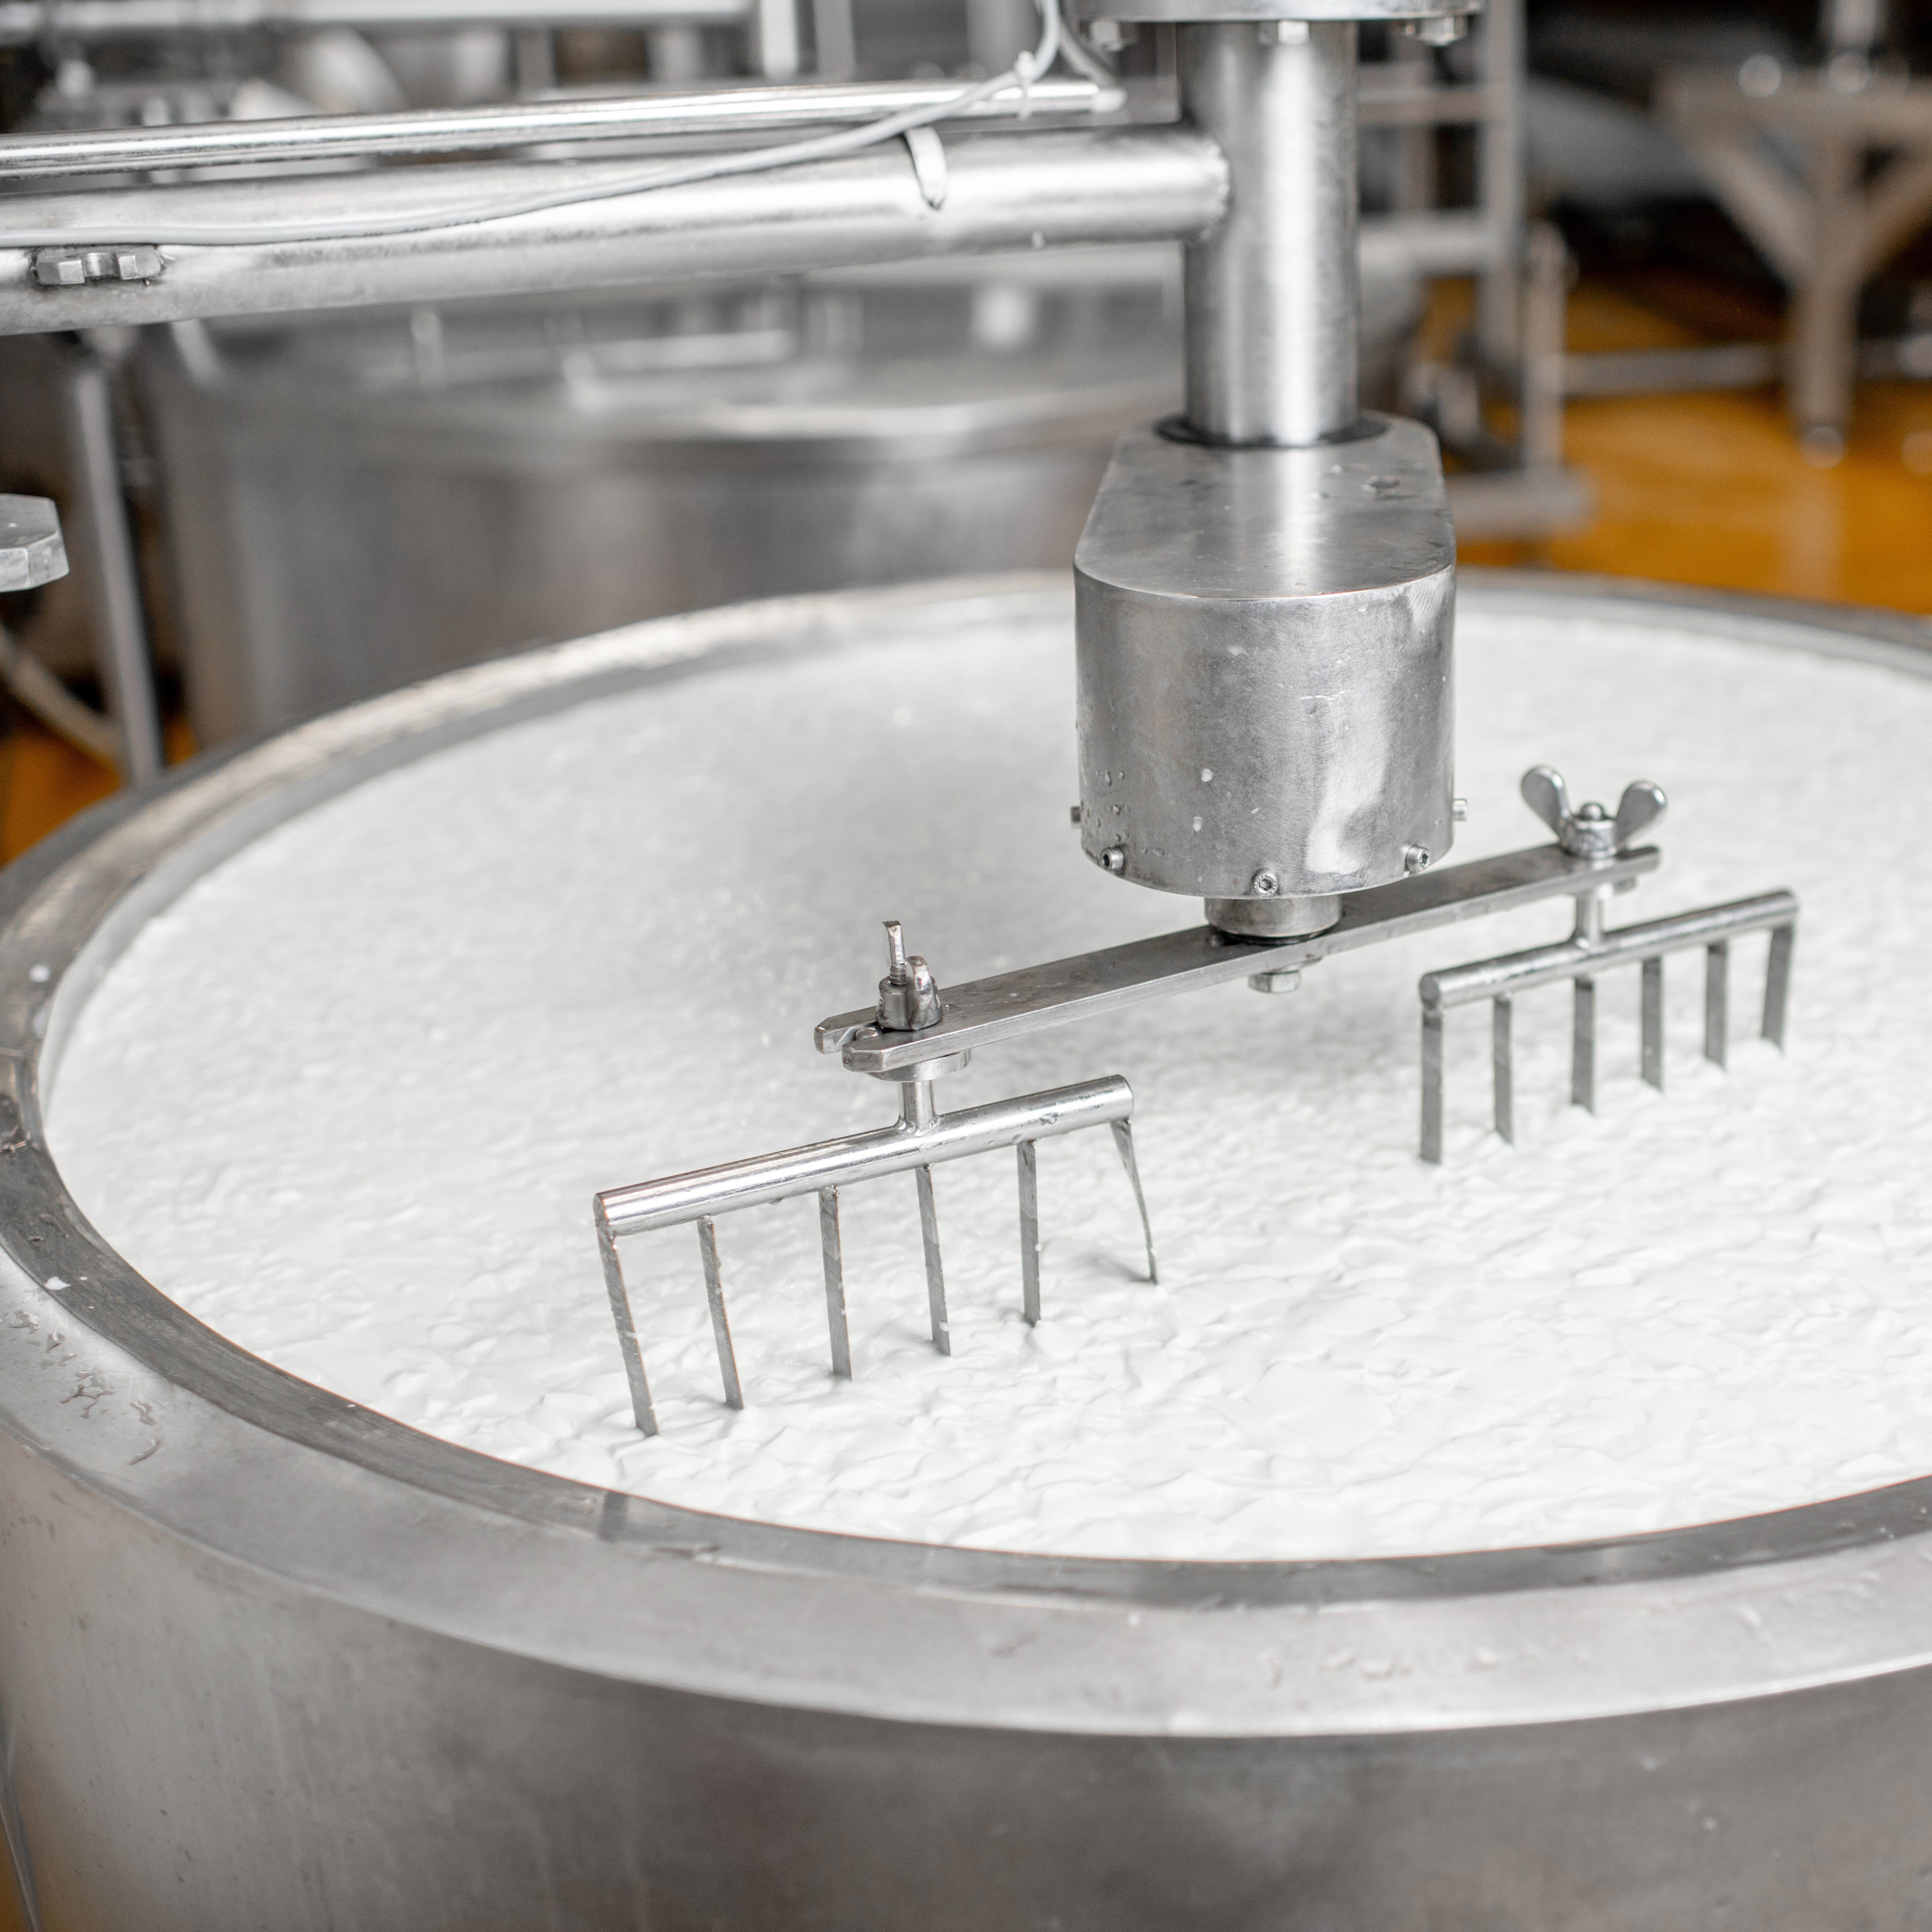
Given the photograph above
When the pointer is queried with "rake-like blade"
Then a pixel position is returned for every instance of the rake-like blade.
(920, 1141)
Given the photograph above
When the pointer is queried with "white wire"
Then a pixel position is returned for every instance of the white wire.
(1028, 68)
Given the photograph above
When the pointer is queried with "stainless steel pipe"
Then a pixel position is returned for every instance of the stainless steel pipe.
(1273, 295)
(28, 23)
(466, 130)
(1001, 192)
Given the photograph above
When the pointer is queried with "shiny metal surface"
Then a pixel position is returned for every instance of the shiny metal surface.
(1052, 188)
(1264, 664)
(1272, 296)
(983, 1012)
(503, 476)
(465, 131)
(266, 1658)
(1580, 960)
(26, 22)
(922, 1139)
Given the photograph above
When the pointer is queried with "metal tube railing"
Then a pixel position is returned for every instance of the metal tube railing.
(1052, 188)
(475, 131)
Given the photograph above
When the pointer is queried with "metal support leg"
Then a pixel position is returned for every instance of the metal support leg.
(1716, 1001)
(833, 1251)
(1502, 1059)
(1653, 1022)
(105, 551)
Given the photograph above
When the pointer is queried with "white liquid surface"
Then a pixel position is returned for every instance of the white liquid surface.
(348, 1100)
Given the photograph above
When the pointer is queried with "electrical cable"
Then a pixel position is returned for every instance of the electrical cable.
(1028, 68)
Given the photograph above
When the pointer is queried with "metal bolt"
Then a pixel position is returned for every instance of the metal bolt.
(1265, 885)
(1459, 809)
(1284, 33)
(1114, 858)
(1438, 30)
(1414, 859)
(1073, 814)
(1277, 979)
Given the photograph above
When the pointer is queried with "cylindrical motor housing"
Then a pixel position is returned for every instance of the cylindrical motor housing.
(1265, 702)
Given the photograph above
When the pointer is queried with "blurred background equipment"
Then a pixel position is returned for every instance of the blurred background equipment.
(314, 510)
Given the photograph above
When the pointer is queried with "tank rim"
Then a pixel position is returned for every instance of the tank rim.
(1758, 1600)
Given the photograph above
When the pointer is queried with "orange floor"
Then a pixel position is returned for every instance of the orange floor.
(1698, 489)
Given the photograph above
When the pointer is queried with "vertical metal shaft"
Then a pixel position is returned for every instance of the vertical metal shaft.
(1502, 1057)
(835, 1282)
(1123, 1143)
(641, 1409)
(1029, 1154)
(1583, 1048)
(1653, 1022)
(1777, 983)
(1274, 299)
(935, 1276)
(1716, 1001)
(105, 551)
(714, 1293)
(1432, 1084)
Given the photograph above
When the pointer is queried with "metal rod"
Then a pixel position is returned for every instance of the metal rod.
(104, 549)
(833, 1251)
(1029, 1159)
(30, 22)
(1545, 965)
(471, 131)
(1123, 1143)
(981, 1012)
(1652, 1005)
(767, 1178)
(1273, 297)
(1777, 983)
(935, 1274)
(1432, 1085)
(641, 1409)
(1583, 1046)
(1716, 1001)
(721, 1327)
(1053, 188)
(1502, 1063)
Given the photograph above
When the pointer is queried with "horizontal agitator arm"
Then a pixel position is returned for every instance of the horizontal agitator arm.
(1049, 188)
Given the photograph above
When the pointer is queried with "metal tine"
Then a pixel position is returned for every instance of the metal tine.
(1123, 1143)
(1502, 1055)
(1432, 1085)
(1029, 1159)
(642, 1409)
(1777, 983)
(1652, 1005)
(1717, 1001)
(721, 1328)
(935, 1275)
(1583, 1047)
(835, 1282)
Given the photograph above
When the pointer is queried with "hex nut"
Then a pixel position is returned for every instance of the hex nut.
(32, 552)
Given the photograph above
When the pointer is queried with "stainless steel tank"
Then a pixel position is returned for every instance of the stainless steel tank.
(267, 1659)
(355, 503)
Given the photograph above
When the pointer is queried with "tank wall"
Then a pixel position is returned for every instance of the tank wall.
(199, 1747)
